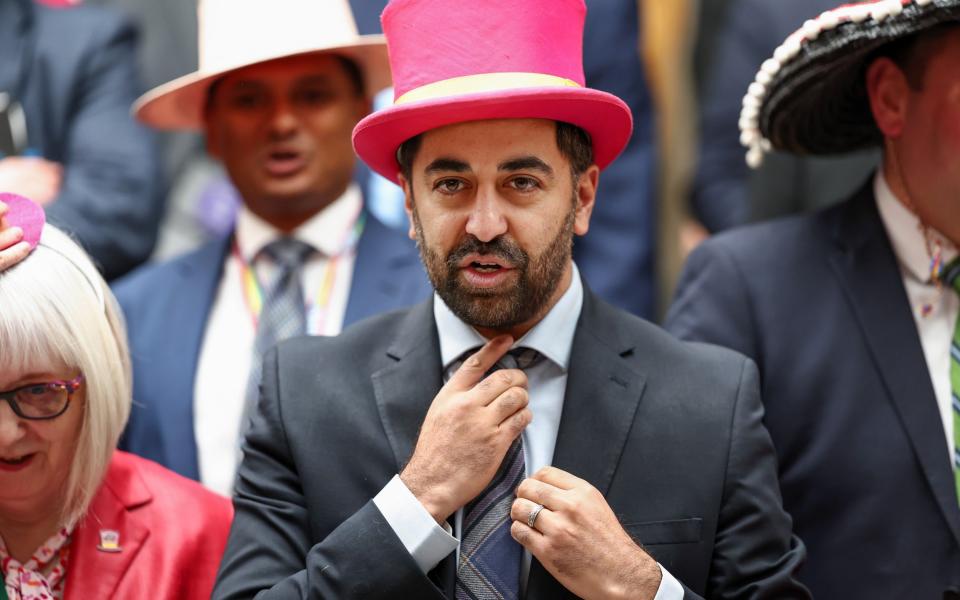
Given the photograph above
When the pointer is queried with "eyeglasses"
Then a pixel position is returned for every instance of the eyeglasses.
(42, 401)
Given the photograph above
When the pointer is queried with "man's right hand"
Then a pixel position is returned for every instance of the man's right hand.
(467, 432)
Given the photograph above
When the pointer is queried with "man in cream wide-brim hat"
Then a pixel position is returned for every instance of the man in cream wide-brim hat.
(851, 313)
(281, 84)
(366, 475)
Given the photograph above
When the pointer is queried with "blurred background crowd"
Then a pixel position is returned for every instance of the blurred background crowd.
(131, 194)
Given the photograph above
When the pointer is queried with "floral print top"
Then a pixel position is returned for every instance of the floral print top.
(43, 576)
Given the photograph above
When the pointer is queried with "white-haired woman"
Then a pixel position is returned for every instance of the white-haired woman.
(79, 520)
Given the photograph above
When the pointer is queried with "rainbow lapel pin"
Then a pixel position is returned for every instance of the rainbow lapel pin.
(109, 541)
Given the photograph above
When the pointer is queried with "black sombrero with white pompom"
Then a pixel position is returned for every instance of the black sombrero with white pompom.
(810, 97)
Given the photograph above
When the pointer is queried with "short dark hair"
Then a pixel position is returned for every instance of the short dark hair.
(573, 142)
(912, 53)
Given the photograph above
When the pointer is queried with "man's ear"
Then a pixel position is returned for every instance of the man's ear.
(586, 193)
(408, 204)
(889, 93)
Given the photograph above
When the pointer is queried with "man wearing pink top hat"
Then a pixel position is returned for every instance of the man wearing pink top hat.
(851, 312)
(281, 85)
(514, 436)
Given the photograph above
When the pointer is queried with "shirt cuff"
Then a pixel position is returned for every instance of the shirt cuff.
(424, 539)
(670, 588)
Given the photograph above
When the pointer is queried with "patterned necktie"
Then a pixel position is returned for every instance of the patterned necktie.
(490, 558)
(951, 276)
(283, 314)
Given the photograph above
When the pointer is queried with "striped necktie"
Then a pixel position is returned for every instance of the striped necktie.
(490, 558)
(951, 276)
(283, 314)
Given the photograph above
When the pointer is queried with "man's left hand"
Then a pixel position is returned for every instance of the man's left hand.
(578, 539)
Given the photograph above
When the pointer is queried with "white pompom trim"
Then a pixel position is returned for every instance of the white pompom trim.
(749, 123)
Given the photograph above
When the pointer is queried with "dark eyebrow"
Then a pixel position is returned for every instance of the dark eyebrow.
(447, 164)
(526, 163)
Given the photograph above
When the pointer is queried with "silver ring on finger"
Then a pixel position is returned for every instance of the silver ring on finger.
(532, 517)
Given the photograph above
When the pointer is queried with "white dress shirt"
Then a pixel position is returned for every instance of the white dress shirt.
(227, 349)
(426, 541)
(936, 324)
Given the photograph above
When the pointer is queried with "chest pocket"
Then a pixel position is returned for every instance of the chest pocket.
(676, 531)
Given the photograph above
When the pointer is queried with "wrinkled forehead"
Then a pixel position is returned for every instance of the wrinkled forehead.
(491, 143)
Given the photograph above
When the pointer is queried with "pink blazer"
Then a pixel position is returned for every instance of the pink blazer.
(172, 533)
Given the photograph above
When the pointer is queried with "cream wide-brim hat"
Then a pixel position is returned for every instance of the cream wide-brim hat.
(234, 34)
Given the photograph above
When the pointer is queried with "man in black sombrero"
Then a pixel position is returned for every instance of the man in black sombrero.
(851, 313)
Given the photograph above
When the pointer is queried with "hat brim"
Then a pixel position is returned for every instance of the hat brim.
(817, 103)
(179, 104)
(604, 116)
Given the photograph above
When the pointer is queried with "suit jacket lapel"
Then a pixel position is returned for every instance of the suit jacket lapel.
(177, 343)
(404, 391)
(94, 573)
(602, 396)
(405, 388)
(386, 273)
(867, 269)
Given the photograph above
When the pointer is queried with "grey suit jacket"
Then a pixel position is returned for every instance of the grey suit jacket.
(669, 432)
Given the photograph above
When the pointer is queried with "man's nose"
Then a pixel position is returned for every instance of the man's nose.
(487, 221)
(11, 426)
(283, 119)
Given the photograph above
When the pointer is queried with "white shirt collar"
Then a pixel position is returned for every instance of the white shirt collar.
(324, 231)
(551, 337)
(906, 236)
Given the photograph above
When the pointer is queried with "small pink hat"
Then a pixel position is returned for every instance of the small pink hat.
(25, 214)
(462, 60)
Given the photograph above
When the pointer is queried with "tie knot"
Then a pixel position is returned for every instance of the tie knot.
(287, 252)
(522, 358)
(951, 274)
(519, 358)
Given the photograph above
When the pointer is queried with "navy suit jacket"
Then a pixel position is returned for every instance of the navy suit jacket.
(818, 302)
(167, 307)
(617, 258)
(75, 73)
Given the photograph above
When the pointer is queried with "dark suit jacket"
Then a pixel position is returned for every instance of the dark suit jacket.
(818, 302)
(167, 306)
(670, 433)
(74, 71)
(172, 534)
(617, 258)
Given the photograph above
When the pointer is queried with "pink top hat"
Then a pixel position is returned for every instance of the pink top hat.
(462, 60)
(25, 214)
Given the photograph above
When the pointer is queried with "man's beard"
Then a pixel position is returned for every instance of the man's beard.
(537, 278)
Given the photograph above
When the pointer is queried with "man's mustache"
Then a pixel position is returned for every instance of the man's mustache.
(500, 247)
